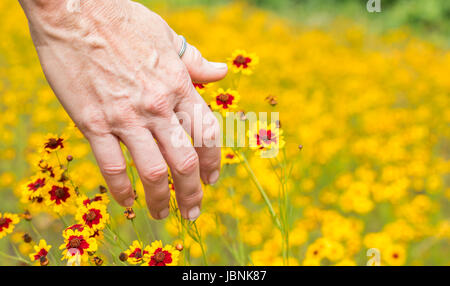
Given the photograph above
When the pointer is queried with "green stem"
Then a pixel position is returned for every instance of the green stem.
(14, 258)
(70, 180)
(112, 243)
(144, 213)
(137, 233)
(205, 261)
(108, 227)
(286, 205)
(261, 191)
(38, 234)
(63, 220)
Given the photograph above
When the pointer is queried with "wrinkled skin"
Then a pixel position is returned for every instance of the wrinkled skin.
(114, 66)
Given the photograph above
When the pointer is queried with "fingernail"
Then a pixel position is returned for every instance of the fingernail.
(164, 213)
(129, 202)
(219, 65)
(214, 177)
(194, 213)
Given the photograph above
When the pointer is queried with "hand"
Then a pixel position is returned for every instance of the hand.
(114, 66)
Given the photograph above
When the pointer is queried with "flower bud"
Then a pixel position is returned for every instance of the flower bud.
(27, 216)
(102, 189)
(27, 238)
(123, 256)
(179, 247)
(98, 261)
(129, 213)
(43, 261)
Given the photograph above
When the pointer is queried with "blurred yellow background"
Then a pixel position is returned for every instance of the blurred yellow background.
(371, 110)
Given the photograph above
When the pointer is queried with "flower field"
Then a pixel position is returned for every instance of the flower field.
(362, 176)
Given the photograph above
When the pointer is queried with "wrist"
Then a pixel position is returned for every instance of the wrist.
(67, 13)
(36, 10)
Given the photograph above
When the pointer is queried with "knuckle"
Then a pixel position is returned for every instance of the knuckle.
(188, 165)
(158, 197)
(122, 192)
(210, 162)
(182, 81)
(122, 114)
(211, 131)
(93, 124)
(190, 198)
(197, 57)
(155, 175)
(114, 169)
(158, 104)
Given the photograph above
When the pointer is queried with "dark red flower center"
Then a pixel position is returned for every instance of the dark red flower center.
(160, 258)
(75, 242)
(229, 156)
(59, 194)
(266, 137)
(224, 99)
(242, 61)
(92, 217)
(395, 255)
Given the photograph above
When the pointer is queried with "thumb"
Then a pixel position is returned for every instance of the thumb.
(201, 70)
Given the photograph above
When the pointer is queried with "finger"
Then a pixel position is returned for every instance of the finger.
(203, 126)
(113, 166)
(183, 161)
(200, 69)
(152, 170)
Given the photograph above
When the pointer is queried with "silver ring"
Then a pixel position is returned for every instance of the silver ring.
(183, 47)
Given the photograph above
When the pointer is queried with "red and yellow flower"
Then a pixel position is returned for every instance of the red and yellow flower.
(394, 255)
(136, 253)
(98, 198)
(225, 100)
(77, 243)
(46, 168)
(54, 143)
(229, 157)
(201, 87)
(60, 196)
(94, 216)
(35, 187)
(40, 251)
(157, 255)
(7, 223)
(75, 227)
(264, 137)
(243, 62)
